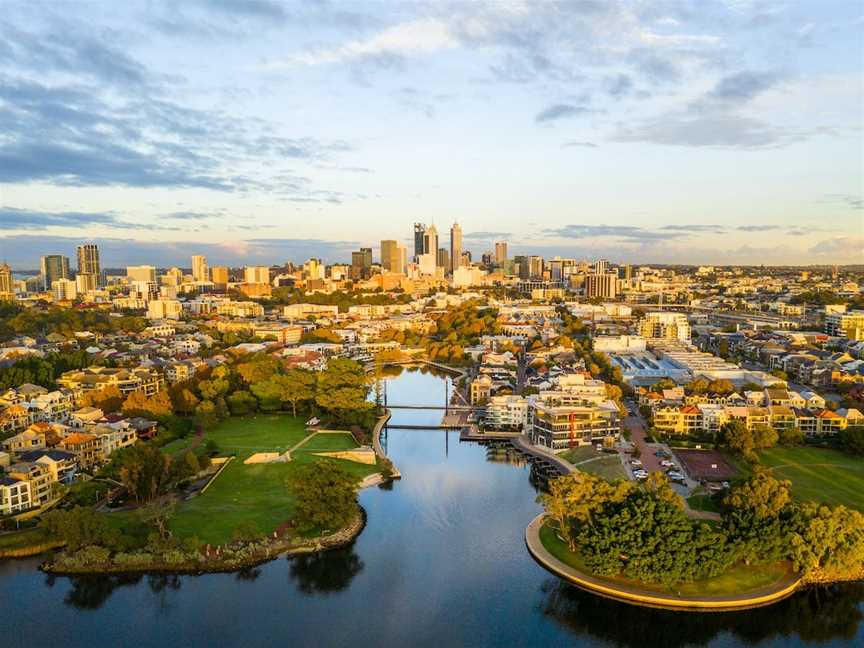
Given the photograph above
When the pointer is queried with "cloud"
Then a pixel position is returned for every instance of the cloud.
(559, 111)
(843, 247)
(852, 201)
(486, 236)
(419, 36)
(21, 250)
(620, 86)
(576, 144)
(12, 218)
(622, 232)
(720, 131)
(695, 229)
(743, 86)
(758, 228)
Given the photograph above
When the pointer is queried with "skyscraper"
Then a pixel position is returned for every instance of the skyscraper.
(601, 266)
(53, 267)
(419, 240)
(455, 247)
(199, 268)
(500, 252)
(219, 276)
(390, 256)
(443, 260)
(361, 263)
(7, 293)
(430, 241)
(88, 264)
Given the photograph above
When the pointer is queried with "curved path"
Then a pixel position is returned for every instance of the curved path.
(648, 598)
(523, 443)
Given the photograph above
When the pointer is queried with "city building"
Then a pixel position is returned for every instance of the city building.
(455, 247)
(558, 421)
(64, 290)
(665, 326)
(219, 276)
(88, 265)
(361, 263)
(430, 241)
(199, 268)
(392, 256)
(257, 275)
(143, 273)
(164, 309)
(500, 253)
(419, 241)
(53, 267)
(849, 325)
(7, 291)
(603, 285)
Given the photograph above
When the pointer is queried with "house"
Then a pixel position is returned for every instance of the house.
(27, 440)
(481, 389)
(145, 429)
(14, 496)
(85, 447)
(62, 465)
(38, 475)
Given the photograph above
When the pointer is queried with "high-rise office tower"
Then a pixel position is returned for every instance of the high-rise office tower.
(443, 260)
(390, 256)
(88, 264)
(500, 252)
(199, 268)
(601, 285)
(361, 263)
(430, 240)
(402, 253)
(7, 292)
(53, 267)
(419, 240)
(455, 247)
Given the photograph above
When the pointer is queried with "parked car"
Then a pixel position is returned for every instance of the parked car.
(598, 448)
(636, 462)
(666, 463)
(640, 474)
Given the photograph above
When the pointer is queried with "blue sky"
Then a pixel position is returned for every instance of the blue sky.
(660, 131)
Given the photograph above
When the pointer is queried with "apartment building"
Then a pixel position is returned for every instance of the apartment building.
(558, 421)
(126, 380)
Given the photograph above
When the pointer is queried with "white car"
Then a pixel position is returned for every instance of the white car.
(667, 464)
(635, 462)
(675, 476)
(640, 474)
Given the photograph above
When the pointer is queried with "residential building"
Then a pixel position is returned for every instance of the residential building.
(89, 266)
(159, 309)
(142, 273)
(506, 413)
(257, 275)
(127, 381)
(7, 291)
(558, 422)
(14, 496)
(481, 389)
(665, 326)
(219, 277)
(64, 290)
(849, 325)
(38, 475)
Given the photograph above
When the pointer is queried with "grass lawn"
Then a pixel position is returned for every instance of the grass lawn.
(329, 442)
(603, 464)
(703, 502)
(737, 580)
(256, 492)
(819, 474)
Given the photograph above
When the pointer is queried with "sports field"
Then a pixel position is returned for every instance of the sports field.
(819, 474)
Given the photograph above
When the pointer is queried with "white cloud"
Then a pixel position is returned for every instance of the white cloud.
(413, 37)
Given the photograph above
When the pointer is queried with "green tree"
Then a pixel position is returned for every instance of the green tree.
(297, 386)
(269, 394)
(145, 472)
(241, 403)
(79, 527)
(325, 496)
(735, 435)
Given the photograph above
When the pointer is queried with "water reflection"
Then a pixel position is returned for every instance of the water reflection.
(818, 615)
(91, 592)
(326, 572)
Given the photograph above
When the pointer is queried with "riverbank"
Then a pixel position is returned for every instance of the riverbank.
(96, 560)
(28, 543)
(645, 595)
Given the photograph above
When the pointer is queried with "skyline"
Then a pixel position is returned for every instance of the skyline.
(653, 133)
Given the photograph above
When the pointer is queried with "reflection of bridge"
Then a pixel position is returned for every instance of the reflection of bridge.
(446, 408)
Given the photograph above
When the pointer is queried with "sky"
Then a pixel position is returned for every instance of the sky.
(655, 131)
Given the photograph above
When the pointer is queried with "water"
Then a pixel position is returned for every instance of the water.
(442, 562)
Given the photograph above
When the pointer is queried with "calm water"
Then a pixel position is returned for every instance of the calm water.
(441, 562)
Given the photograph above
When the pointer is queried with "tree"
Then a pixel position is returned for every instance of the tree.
(762, 495)
(764, 436)
(297, 386)
(108, 399)
(853, 439)
(737, 437)
(79, 527)
(791, 436)
(184, 400)
(342, 389)
(157, 406)
(205, 413)
(828, 542)
(721, 387)
(325, 495)
(269, 395)
(145, 472)
(241, 403)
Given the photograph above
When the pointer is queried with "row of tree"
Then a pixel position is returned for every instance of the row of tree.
(643, 533)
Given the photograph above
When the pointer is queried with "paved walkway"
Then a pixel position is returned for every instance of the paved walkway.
(522, 442)
(647, 597)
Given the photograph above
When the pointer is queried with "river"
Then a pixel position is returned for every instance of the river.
(442, 562)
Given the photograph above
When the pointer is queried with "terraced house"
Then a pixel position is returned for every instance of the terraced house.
(126, 380)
